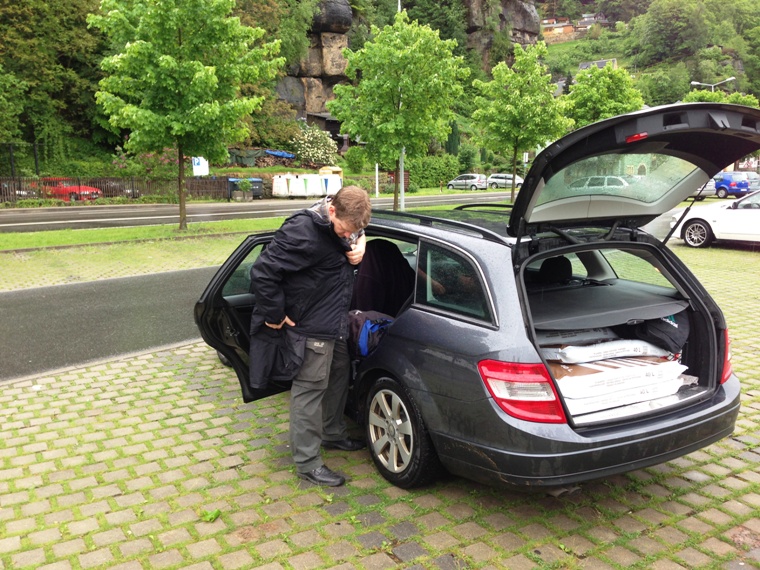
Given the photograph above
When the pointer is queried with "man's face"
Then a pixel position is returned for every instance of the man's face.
(343, 229)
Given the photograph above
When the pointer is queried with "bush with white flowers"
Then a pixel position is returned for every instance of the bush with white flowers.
(315, 146)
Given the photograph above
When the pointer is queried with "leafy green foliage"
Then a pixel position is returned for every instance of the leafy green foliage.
(174, 83)
(671, 28)
(355, 158)
(46, 45)
(622, 10)
(602, 93)
(406, 82)
(662, 87)
(719, 96)
(432, 171)
(467, 158)
(449, 17)
(314, 146)
(11, 105)
(274, 126)
(517, 111)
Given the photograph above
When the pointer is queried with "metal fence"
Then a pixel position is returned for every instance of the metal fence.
(13, 189)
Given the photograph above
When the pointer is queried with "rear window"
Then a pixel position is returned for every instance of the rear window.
(640, 177)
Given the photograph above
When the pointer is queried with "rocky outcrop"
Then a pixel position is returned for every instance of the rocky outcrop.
(309, 85)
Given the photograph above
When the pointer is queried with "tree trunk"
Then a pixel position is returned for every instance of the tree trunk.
(181, 189)
(514, 172)
(395, 185)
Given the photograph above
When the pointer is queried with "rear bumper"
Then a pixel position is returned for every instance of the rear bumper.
(601, 456)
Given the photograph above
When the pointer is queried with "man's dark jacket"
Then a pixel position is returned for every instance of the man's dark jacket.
(303, 273)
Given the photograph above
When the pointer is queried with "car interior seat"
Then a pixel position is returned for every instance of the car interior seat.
(555, 271)
(384, 280)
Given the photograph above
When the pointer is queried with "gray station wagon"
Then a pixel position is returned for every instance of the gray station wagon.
(546, 344)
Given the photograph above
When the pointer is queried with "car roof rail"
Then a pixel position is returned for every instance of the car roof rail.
(426, 220)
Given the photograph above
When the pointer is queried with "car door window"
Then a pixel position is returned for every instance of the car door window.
(239, 282)
(450, 282)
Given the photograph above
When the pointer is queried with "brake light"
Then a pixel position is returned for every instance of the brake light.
(524, 391)
(732, 184)
(636, 137)
(727, 368)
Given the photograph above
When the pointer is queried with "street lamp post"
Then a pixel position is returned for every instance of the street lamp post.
(713, 85)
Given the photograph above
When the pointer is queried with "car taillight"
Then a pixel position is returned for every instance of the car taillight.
(727, 368)
(524, 391)
(732, 184)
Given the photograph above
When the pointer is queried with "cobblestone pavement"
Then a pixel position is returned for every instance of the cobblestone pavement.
(152, 461)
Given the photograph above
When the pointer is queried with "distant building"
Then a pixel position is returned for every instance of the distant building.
(588, 20)
(599, 63)
(557, 26)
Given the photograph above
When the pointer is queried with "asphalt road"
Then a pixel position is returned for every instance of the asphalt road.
(49, 328)
(78, 217)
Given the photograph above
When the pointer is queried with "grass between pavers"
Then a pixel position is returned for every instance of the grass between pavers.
(120, 463)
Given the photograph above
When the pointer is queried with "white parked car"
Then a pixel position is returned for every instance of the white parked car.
(500, 180)
(736, 221)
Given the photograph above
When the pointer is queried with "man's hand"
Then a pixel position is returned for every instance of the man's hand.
(357, 251)
(285, 321)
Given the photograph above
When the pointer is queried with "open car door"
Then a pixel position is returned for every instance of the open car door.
(223, 314)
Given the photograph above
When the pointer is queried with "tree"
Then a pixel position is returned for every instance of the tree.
(671, 29)
(407, 82)
(719, 96)
(176, 76)
(46, 44)
(664, 86)
(602, 93)
(622, 10)
(517, 111)
(11, 106)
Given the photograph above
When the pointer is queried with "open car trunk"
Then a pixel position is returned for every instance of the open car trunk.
(624, 332)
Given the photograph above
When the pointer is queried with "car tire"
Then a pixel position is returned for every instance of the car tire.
(722, 193)
(73, 197)
(473, 187)
(699, 198)
(697, 233)
(398, 440)
(494, 185)
(450, 186)
(518, 185)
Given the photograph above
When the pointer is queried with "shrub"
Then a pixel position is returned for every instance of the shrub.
(315, 146)
(355, 158)
(467, 155)
(432, 171)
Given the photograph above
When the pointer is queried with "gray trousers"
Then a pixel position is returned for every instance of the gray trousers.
(317, 400)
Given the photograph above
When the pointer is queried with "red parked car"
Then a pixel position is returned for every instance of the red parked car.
(67, 190)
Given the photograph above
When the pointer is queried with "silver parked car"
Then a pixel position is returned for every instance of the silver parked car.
(754, 181)
(468, 182)
(500, 180)
(546, 344)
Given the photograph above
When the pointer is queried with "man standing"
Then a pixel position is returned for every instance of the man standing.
(304, 280)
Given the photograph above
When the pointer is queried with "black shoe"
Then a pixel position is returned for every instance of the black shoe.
(347, 444)
(323, 476)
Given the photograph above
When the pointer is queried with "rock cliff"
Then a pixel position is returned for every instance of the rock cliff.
(309, 85)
